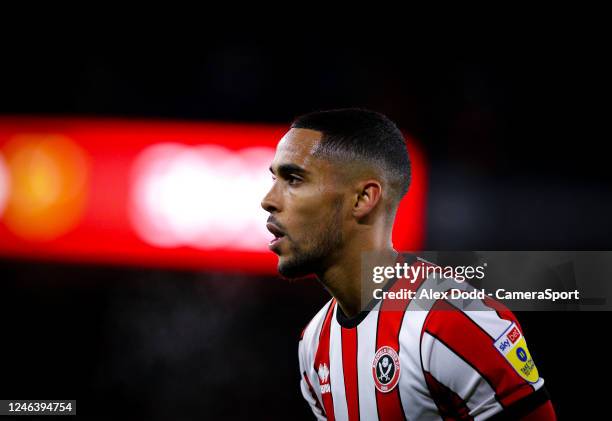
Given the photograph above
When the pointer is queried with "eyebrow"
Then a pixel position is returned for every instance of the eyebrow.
(284, 169)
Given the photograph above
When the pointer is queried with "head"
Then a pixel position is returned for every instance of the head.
(338, 176)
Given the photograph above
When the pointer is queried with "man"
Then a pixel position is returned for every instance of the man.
(339, 176)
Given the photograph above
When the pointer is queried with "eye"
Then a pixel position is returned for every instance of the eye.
(293, 180)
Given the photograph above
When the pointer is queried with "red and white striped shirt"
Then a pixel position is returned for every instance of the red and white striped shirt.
(441, 359)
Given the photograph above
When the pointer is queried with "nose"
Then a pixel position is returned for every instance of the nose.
(270, 202)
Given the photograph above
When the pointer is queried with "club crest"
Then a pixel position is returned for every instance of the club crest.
(386, 369)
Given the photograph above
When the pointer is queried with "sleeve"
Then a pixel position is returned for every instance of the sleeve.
(477, 365)
(306, 384)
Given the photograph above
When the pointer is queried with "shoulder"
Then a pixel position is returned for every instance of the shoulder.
(485, 318)
(467, 328)
(478, 341)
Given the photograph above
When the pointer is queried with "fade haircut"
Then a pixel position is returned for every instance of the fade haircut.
(357, 135)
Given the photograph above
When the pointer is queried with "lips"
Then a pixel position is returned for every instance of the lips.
(278, 235)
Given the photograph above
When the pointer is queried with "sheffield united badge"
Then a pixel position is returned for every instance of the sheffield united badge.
(386, 369)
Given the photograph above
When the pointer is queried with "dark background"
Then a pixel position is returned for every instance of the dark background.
(516, 136)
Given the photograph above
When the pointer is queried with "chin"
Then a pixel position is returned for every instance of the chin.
(294, 270)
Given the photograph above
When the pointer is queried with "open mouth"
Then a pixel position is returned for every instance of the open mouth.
(277, 232)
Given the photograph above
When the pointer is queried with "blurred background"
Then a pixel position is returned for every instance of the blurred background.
(511, 140)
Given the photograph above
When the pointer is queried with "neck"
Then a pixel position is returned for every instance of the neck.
(343, 279)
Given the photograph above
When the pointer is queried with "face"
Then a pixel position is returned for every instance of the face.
(305, 205)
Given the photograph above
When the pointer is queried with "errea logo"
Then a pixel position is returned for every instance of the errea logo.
(323, 373)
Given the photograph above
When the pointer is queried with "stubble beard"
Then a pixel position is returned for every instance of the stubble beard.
(312, 259)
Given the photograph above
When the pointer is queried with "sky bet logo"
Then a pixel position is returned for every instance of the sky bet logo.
(504, 345)
(514, 335)
(509, 339)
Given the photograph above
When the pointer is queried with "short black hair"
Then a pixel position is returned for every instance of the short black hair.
(356, 134)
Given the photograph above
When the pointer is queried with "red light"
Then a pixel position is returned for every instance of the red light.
(170, 194)
(206, 197)
(48, 185)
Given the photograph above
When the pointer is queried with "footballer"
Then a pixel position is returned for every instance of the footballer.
(339, 176)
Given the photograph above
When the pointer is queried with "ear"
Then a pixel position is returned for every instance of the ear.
(369, 193)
